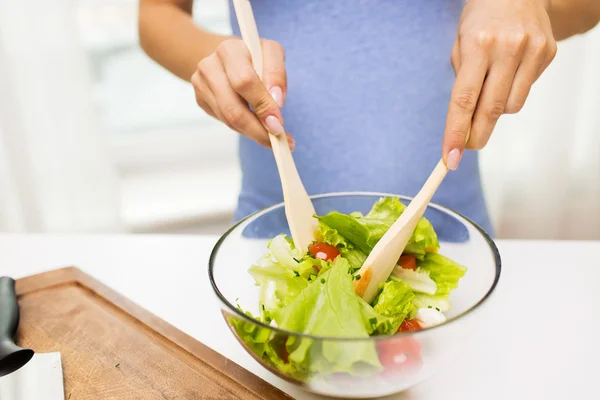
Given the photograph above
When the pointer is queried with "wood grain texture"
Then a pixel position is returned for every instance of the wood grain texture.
(114, 349)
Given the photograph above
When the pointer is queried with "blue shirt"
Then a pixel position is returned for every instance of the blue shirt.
(368, 88)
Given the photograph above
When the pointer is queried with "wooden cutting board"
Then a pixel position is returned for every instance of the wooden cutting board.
(114, 349)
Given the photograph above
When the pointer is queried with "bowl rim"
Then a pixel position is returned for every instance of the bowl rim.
(246, 318)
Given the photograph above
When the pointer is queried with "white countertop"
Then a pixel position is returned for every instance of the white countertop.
(540, 337)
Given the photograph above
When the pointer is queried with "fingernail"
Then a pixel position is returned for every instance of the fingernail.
(453, 159)
(277, 94)
(291, 142)
(274, 125)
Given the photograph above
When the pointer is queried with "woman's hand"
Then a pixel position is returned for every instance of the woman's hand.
(226, 84)
(501, 49)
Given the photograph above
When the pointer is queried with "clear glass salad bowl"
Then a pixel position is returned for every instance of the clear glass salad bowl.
(406, 358)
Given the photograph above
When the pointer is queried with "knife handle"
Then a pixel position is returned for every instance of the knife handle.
(9, 309)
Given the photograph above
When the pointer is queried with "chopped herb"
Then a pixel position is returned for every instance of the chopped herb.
(357, 277)
(295, 259)
(322, 280)
(117, 366)
(268, 320)
(310, 278)
(296, 273)
(429, 307)
(373, 321)
(263, 307)
(437, 309)
(238, 299)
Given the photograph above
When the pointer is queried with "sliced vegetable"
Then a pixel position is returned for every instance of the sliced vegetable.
(355, 257)
(418, 280)
(428, 317)
(408, 261)
(399, 355)
(409, 325)
(365, 231)
(444, 272)
(323, 251)
(329, 307)
(395, 301)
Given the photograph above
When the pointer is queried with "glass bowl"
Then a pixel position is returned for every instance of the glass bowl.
(407, 358)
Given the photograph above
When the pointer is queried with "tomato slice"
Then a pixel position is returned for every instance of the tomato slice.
(409, 325)
(323, 251)
(400, 354)
(408, 262)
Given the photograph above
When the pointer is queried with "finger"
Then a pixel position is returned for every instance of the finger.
(237, 63)
(492, 102)
(539, 53)
(496, 88)
(233, 109)
(291, 141)
(274, 75)
(463, 101)
(201, 91)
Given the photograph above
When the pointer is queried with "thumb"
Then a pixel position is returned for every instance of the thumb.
(274, 74)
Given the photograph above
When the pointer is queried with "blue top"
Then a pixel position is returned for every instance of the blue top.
(368, 90)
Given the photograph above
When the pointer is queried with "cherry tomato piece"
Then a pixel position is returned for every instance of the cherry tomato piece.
(402, 354)
(323, 251)
(408, 262)
(409, 325)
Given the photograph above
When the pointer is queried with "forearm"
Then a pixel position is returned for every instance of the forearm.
(572, 17)
(171, 38)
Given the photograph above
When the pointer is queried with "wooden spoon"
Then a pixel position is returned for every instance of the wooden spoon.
(299, 209)
(383, 258)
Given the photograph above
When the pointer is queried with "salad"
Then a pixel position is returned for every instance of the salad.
(312, 293)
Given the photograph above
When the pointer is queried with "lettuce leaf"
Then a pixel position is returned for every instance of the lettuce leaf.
(375, 323)
(283, 273)
(365, 231)
(418, 280)
(261, 342)
(444, 272)
(329, 307)
(395, 301)
(355, 257)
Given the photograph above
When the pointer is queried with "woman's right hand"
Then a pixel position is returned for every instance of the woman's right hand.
(226, 84)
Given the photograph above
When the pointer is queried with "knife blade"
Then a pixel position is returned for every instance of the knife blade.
(23, 374)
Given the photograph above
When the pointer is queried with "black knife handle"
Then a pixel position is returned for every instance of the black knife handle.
(9, 309)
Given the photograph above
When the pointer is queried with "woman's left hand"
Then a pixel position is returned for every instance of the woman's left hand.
(501, 49)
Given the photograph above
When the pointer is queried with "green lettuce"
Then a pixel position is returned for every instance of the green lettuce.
(418, 280)
(375, 323)
(444, 272)
(355, 257)
(283, 273)
(329, 307)
(265, 345)
(365, 231)
(395, 300)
